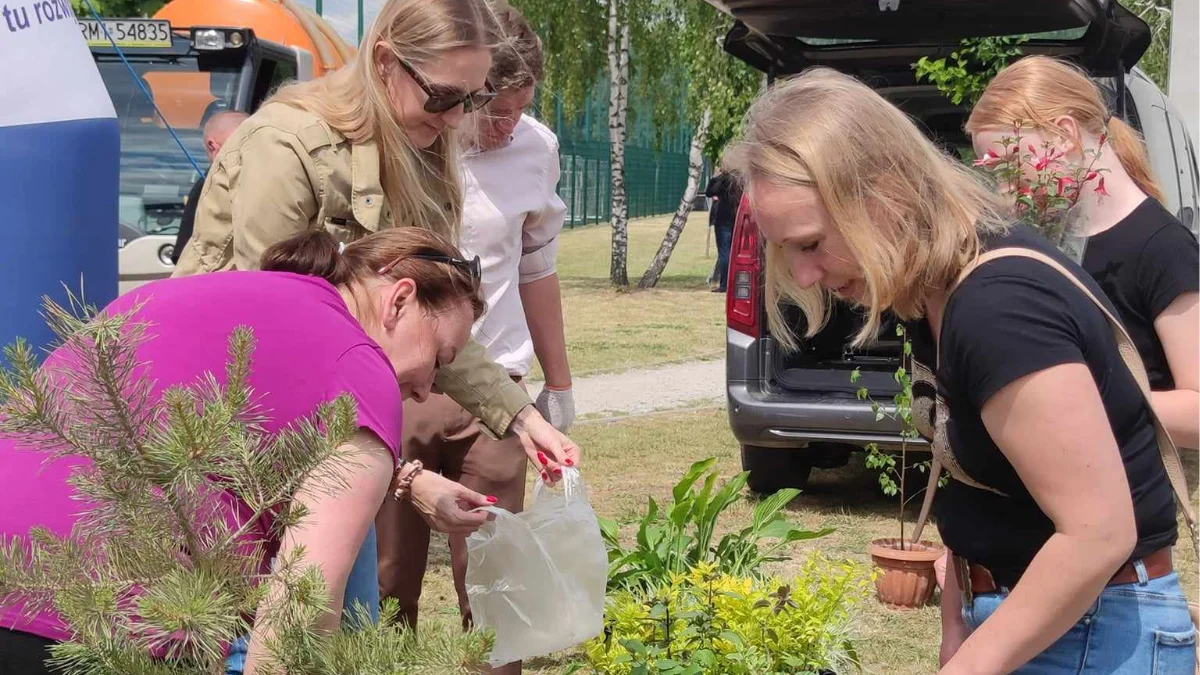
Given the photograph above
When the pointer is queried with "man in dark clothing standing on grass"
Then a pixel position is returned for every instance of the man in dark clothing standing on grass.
(726, 192)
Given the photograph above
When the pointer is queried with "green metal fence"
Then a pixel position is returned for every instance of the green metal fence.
(654, 176)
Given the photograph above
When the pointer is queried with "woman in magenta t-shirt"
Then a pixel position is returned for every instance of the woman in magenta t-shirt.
(387, 309)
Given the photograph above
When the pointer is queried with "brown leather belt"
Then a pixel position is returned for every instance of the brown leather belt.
(1158, 564)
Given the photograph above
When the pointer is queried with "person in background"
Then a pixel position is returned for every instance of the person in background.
(712, 224)
(216, 131)
(726, 193)
(365, 148)
(1059, 514)
(1145, 259)
(374, 321)
(511, 219)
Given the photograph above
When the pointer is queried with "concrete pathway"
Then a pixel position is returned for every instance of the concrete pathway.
(681, 385)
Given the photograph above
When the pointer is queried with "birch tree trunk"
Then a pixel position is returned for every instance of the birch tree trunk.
(695, 164)
(618, 103)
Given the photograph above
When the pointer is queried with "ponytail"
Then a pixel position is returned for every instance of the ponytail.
(1131, 152)
(312, 253)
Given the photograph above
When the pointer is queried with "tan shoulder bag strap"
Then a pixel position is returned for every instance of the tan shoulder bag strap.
(935, 466)
(1129, 354)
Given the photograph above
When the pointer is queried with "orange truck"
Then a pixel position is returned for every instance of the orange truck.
(195, 58)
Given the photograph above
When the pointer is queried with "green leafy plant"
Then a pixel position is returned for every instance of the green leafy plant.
(894, 469)
(117, 8)
(154, 578)
(707, 622)
(677, 538)
(965, 74)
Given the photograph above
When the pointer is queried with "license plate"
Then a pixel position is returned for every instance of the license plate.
(127, 32)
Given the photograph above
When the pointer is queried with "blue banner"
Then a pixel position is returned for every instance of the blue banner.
(59, 164)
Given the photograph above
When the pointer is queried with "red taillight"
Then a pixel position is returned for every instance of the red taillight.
(745, 275)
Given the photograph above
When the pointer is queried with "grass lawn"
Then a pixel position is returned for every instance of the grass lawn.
(625, 462)
(610, 330)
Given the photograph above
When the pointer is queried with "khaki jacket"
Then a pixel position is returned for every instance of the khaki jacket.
(284, 171)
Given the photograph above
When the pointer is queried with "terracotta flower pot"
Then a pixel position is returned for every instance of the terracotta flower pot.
(906, 576)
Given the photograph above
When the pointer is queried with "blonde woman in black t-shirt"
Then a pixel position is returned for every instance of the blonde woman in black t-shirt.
(1060, 505)
(1146, 261)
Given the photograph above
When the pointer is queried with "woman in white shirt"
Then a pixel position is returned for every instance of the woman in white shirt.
(511, 220)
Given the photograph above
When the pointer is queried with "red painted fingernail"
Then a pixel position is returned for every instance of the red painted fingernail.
(492, 500)
(542, 459)
(570, 462)
(546, 476)
(558, 473)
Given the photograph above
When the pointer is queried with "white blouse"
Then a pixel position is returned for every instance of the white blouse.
(511, 220)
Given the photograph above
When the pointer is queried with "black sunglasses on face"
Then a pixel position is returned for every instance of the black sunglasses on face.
(443, 98)
(473, 267)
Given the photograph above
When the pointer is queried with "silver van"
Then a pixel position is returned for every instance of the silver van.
(793, 412)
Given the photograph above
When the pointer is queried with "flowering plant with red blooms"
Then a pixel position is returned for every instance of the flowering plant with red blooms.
(1046, 186)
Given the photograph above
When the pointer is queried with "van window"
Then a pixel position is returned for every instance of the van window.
(155, 174)
(273, 72)
(1132, 116)
(1194, 224)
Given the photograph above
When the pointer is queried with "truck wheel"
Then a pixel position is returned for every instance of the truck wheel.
(773, 469)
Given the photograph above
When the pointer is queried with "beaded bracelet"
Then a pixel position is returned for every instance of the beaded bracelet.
(404, 483)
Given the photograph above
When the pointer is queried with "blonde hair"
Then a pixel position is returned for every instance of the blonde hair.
(1037, 90)
(421, 186)
(912, 216)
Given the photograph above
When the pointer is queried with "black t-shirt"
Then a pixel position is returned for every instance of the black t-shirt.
(1144, 263)
(1010, 318)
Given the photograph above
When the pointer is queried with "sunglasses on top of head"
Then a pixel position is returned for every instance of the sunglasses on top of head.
(443, 97)
(472, 267)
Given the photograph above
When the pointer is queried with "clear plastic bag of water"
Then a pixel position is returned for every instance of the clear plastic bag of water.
(537, 578)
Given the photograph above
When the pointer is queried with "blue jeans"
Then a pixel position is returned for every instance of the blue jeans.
(1141, 628)
(362, 587)
(724, 243)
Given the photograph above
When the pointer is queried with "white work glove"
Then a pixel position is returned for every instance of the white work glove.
(557, 406)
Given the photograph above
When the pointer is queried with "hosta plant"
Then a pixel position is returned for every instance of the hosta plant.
(675, 538)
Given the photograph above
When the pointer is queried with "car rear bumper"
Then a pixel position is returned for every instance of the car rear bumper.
(767, 417)
(783, 420)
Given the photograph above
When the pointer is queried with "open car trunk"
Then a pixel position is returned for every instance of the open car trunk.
(878, 40)
(825, 361)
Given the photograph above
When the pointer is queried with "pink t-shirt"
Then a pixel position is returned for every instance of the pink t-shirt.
(308, 350)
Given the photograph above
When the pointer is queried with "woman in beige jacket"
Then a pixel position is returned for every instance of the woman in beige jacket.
(368, 147)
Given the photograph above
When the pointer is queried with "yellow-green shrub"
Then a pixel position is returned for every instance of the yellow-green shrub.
(706, 622)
